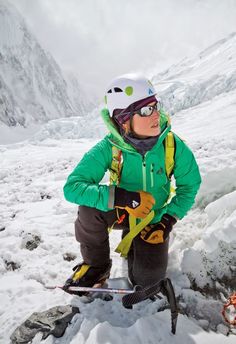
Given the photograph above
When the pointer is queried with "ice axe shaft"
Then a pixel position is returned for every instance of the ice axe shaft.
(102, 290)
(95, 290)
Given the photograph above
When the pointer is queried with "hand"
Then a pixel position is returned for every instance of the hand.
(138, 203)
(159, 232)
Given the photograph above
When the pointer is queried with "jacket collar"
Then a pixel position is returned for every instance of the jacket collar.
(116, 139)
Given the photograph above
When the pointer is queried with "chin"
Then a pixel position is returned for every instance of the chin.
(155, 132)
(151, 133)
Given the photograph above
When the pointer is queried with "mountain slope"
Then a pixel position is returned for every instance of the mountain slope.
(193, 81)
(33, 88)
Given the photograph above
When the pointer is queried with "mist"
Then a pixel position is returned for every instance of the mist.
(98, 40)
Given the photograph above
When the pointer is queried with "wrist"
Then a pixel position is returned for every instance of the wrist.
(168, 220)
(125, 198)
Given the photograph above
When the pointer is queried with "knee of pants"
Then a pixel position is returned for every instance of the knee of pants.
(90, 227)
(148, 264)
(148, 278)
(89, 215)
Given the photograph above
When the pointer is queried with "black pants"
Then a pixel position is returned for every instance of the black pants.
(147, 263)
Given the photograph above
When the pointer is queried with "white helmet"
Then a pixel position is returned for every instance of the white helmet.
(126, 90)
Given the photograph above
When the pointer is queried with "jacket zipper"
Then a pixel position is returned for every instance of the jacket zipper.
(144, 174)
(152, 172)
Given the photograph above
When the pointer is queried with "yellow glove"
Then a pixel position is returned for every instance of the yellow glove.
(138, 203)
(153, 234)
(159, 232)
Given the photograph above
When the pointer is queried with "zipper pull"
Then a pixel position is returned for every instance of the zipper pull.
(152, 172)
(144, 162)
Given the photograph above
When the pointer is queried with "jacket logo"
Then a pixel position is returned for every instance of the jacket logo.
(160, 171)
(135, 204)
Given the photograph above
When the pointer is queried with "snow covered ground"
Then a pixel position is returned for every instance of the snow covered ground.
(38, 248)
(202, 247)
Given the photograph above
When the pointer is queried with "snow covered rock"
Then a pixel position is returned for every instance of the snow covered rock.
(54, 322)
(30, 241)
(33, 87)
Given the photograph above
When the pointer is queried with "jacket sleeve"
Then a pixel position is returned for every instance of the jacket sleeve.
(82, 186)
(187, 178)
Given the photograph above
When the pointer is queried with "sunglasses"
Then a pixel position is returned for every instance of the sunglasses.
(146, 111)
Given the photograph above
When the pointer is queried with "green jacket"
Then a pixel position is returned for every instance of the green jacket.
(138, 173)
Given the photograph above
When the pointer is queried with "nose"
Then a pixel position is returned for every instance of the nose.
(155, 114)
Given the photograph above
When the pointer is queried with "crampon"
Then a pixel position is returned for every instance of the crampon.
(229, 310)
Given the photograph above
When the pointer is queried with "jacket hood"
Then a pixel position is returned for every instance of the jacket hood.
(116, 139)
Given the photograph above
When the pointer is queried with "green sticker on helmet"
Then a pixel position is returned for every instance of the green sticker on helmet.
(129, 90)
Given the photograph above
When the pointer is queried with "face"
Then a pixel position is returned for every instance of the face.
(145, 127)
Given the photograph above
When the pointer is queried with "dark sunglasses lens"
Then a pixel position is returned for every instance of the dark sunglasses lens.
(146, 110)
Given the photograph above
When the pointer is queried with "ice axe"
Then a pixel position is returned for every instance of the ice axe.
(136, 295)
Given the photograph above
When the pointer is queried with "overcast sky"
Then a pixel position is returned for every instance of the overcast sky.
(100, 39)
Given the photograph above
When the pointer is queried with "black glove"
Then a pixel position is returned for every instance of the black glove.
(136, 203)
(157, 233)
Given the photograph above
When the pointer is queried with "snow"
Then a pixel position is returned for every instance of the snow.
(194, 81)
(17, 133)
(11, 33)
(33, 87)
(202, 257)
(32, 177)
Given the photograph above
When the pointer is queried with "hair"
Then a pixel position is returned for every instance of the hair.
(120, 127)
(127, 130)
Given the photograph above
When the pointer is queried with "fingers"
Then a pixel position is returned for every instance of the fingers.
(138, 213)
(147, 202)
(146, 232)
(148, 207)
(152, 235)
(147, 198)
(144, 208)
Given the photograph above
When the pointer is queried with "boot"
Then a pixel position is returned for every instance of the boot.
(87, 276)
